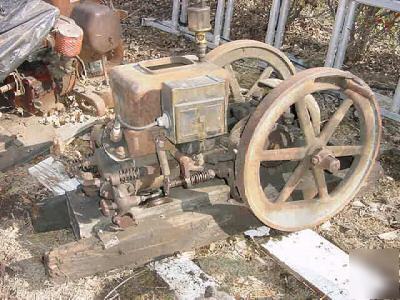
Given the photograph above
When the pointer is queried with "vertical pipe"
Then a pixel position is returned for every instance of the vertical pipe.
(219, 16)
(345, 38)
(175, 14)
(228, 19)
(272, 22)
(283, 15)
(337, 29)
(396, 100)
(184, 6)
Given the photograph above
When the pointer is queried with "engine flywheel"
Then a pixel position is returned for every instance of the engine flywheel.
(324, 168)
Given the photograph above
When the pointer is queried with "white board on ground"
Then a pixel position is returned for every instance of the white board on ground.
(183, 276)
(317, 261)
(52, 175)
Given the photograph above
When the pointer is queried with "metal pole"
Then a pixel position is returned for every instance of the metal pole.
(273, 20)
(345, 38)
(175, 14)
(396, 100)
(228, 19)
(283, 15)
(184, 6)
(386, 4)
(337, 29)
(219, 16)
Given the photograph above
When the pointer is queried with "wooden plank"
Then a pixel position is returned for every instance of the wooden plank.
(52, 175)
(29, 138)
(154, 237)
(313, 259)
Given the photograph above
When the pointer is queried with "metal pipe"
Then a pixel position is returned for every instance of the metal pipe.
(228, 19)
(396, 100)
(184, 6)
(272, 22)
(280, 31)
(219, 15)
(175, 14)
(6, 88)
(386, 4)
(345, 38)
(337, 29)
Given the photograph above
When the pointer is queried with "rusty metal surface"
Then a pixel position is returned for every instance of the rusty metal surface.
(64, 6)
(141, 143)
(101, 27)
(67, 37)
(137, 87)
(197, 108)
(273, 59)
(277, 210)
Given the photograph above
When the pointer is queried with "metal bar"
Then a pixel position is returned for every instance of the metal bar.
(337, 29)
(390, 115)
(396, 100)
(283, 15)
(228, 19)
(175, 13)
(272, 22)
(219, 16)
(184, 6)
(387, 4)
(348, 27)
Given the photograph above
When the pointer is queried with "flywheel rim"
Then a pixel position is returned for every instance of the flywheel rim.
(296, 215)
(228, 53)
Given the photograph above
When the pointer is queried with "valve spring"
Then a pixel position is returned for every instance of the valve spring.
(200, 177)
(129, 174)
(74, 165)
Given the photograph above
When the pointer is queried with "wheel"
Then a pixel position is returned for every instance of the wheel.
(322, 169)
(250, 62)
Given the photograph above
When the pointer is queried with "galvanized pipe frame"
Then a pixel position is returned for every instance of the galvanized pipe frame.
(221, 32)
(344, 24)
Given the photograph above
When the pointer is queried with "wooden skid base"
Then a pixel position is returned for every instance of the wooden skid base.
(180, 225)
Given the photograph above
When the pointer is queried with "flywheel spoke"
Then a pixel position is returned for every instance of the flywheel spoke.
(282, 154)
(293, 181)
(305, 121)
(339, 151)
(335, 120)
(319, 176)
(264, 75)
(234, 84)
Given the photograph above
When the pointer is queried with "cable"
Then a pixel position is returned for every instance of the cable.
(139, 128)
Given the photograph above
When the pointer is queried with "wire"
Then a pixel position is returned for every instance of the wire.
(139, 128)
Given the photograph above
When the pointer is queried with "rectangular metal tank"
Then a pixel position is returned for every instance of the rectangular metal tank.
(137, 87)
(196, 108)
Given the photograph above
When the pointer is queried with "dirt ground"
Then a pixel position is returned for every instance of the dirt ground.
(241, 268)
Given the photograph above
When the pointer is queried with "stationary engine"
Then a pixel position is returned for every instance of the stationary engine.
(184, 121)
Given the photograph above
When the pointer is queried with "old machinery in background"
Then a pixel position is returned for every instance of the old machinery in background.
(70, 55)
(240, 114)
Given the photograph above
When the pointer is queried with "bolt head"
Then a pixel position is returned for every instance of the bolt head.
(315, 160)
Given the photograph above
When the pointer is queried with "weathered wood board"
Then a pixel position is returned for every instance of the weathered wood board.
(161, 231)
(313, 259)
(23, 138)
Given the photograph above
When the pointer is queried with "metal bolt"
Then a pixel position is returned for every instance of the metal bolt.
(120, 152)
(315, 160)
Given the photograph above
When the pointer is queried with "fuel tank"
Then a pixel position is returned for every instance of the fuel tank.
(137, 87)
(101, 27)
